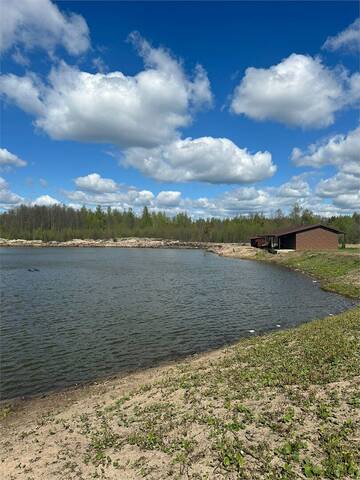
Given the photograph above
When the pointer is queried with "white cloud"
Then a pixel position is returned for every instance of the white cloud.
(95, 183)
(45, 200)
(348, 39)
(8, 199)
(10, 159)
(205, 159)
(353, 95)
(95, 190)
(350, 201)
(296, 187)
(341, 150)
(168, 199)
(20, 58)
(99, 65)
(130, 198)
(326, 199)
(250, 199)
(339, 184)
(39, 23)
(299, 91)
(141, 115)
(142, 110)
(23, 91)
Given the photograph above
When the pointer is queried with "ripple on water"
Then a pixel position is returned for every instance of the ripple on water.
(96, 312)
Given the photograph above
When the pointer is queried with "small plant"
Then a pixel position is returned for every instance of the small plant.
(231, 454)
(311, 470)
(290, 450)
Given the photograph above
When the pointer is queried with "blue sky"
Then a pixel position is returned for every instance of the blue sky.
(215, 108)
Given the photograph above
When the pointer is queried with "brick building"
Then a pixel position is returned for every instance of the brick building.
(305, 237)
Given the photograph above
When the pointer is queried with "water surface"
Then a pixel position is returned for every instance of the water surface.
(90, 312)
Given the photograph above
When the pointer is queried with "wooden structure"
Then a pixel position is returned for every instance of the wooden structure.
(305, 237)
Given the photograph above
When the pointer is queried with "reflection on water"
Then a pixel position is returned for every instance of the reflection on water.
(88, 313)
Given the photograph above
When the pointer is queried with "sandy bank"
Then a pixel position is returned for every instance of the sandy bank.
(235, 250)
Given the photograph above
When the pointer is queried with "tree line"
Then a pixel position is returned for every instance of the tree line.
(61, 223)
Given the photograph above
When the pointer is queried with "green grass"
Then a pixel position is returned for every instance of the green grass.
(324, 265)
(349, 250)
(337, 272)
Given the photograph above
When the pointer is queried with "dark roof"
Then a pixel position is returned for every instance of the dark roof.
(302, 228)
(298, 229)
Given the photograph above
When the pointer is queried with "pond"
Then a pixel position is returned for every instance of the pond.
(73, 315)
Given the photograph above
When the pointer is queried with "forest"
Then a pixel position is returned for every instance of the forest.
(61, 223)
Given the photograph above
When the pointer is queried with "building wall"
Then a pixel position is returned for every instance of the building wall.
(317, 239)
(288, 242)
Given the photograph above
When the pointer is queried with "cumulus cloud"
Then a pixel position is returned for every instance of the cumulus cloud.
(9, 159)
(354, 88)
(126, 198)
(296, 187)
(40, 24)
(8, 199)
(146, 109)
(96, 190)
(95, 183)
(348, 201)
(325, 199)
(168, 199)
(348, 39)
(45, 200)
(205, 159)
(299, 91)
(23, 91)
(250, 199)
(141, 115)
(341, 150)
(339, 184)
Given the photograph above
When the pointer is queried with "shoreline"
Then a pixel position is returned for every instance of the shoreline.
(87, 422)
(226, 250)
(66, 396)
(233, 250)
(125, 242)
(184, 415)
(241, 250)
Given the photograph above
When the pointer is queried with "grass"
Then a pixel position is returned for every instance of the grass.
(282, 406)
(349, 250)
(338, 271)
(5, 411)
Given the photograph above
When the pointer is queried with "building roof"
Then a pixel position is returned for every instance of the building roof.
(302, 228)
(298, 229)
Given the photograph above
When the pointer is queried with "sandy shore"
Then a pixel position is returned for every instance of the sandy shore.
(236, 250)
(276, 406)
(131, 242)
